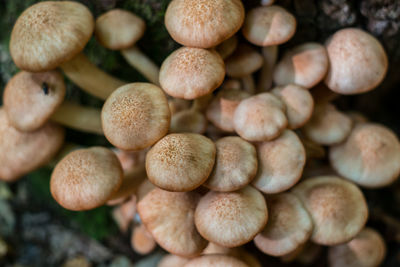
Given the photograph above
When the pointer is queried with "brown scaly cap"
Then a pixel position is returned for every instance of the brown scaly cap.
(50, 33)
(215, 260)
(203, 23)
(244, 61)
(86, 178)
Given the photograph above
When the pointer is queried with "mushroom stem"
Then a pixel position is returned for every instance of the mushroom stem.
(270, 54)
(142, 63)
(130, 183)
(248, 84)
(89, 77)
(201, 103)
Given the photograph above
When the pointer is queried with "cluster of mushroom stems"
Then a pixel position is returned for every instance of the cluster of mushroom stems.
(229, 143)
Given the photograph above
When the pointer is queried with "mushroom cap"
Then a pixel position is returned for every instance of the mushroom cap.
(191, 72)
(31, 98)
(141, 240)
(169, 217)
(215, 260)
(289, 226)
(369, 157)
(180, 162)
(269, 25)
(231, 219)
(299, 104)
(86, 178)
(203, 23)
(135, 116)
(227, 47)
(244, 61)
(235, 165)
(260, 117)
(118, 29)
(305, 65)
(367, 249)
(357, 62)
(23, 152)
(189, 121)
(337, 207)
(171, 260)
(280, 163)
(50, 33)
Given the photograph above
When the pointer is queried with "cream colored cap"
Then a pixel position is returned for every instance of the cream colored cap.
(215, 260)
(244, 61)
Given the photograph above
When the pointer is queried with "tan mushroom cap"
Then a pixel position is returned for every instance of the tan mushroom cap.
(203, 23)
(369, 157)
(358, 62)
(23, 152)
(235, 165)
(227, 47)
(142, 241)
(337, 207)
(118, 29)
(188, 121)
(50, 33)
(269, 25)
(231, 219)
(289, 226)
(244, 61)
(169, 217)
(299, 104)
(367, 249)
(180, 162)
(280, 163)
(191, 72)
(222, 108)
(86, 178)
(215, 260)
(172, 260)
(135, 116)
(260, 117)
(305, 65)
(327, 126)
(31, 98)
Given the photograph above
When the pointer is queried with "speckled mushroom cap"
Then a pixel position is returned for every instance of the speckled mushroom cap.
(203, 23)
(280, 163)
(86, 178)
(171, 260)
(337, 207)
(289, 226)
(299, 104)
(180, 162)
(244, 61)
(305, 65)
(135, 116)
(235, 165)
(31, 98)
(369, 157)
(23, 152)
(118, 29)
(188, 121)
(268, 25)
(215, 260)
(367, 249)
(358, 62)
(50, 33)
(191, 72)
(231, 219)
(327, 126)
(260, 117)
(169, 217)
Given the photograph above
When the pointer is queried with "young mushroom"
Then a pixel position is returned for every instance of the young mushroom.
(215, 260)
(227, 47)
(171, 260)
(142, 241)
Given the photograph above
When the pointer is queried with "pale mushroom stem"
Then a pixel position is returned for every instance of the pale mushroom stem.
(89, 77)
(248, 84)
(201, 103)
(270, 54)
(142, 63)
(130, 183)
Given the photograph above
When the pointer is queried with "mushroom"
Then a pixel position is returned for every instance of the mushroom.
(227, 47)
(142, 241)
(270, 54)
(124, 213)
(215, 260)
(322, 94)
(171, 260)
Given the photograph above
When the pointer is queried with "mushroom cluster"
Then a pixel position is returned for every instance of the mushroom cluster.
(230, 142)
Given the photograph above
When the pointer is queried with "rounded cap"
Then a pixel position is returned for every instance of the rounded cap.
(141, 240)
(50, 33)
(289, 226)
(135, 116)
(268, 25)
(231, 219)
(227, 47)
(358, 62)
(370, 156)
(180, 162)
(260, 117)
(191, 72)
(86, 178)
(215, 260)
(169, 217)
(203, 23)
(244, 61)
(281, 163)
(31, 98)
(235, 165)
(188, 121)
(305, 65)
(118, 29)
(337, 207)
(23, 152)
(172, 260)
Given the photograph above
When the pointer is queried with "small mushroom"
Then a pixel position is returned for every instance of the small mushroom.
(270, 54)
(227, 47)
(142, 241)
(215, 260)
(171, 260)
